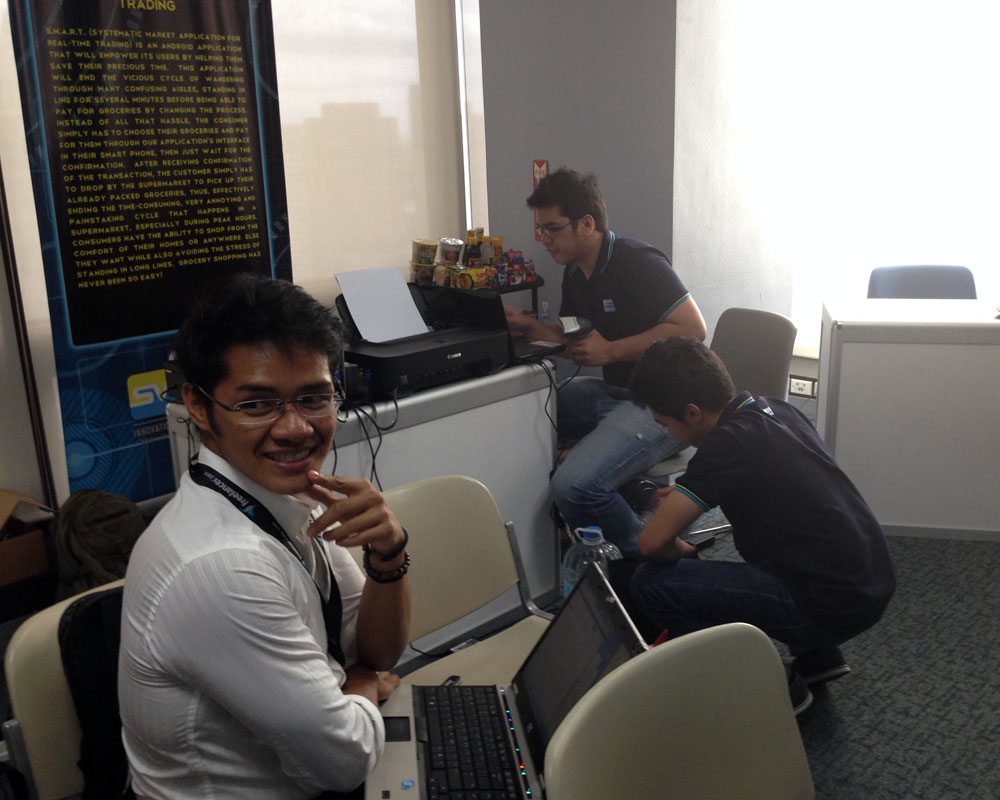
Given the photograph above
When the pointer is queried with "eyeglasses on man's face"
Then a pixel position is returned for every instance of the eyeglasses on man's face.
(268, 409)
(550, 230)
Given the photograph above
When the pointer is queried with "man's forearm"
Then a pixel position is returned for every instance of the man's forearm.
(362, 680)
(685, 321)
(660, 539)
(631, 348)
(383, 623)
(675, 550)
(536, 330)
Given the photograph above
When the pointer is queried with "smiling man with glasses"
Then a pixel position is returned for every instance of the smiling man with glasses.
(253, 646)
(632, 297)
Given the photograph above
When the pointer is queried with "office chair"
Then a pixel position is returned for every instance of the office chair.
(464, 556)
(703, 717)
(923, 282)
(756, 347)
(44, 737)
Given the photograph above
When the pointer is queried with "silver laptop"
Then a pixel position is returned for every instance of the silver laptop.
(590, 636)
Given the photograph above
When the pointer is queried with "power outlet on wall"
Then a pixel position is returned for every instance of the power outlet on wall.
(543, 308)
(801, 387)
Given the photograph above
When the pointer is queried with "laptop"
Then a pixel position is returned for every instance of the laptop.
(590, 636)
(480, 308)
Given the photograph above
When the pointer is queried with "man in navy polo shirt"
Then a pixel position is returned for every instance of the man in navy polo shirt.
(632, 297)
(817, 569)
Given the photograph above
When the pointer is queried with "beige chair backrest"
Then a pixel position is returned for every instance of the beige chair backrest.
(462, 558)
(703, 717)
(756, 347)
(44, 718)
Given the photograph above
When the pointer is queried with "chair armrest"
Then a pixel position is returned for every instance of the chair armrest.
(15, 754)
(522, 580)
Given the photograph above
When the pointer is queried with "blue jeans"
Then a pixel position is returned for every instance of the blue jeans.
(692, 594)
(617, 441)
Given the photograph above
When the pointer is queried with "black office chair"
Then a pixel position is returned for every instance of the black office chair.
(923, 282)
(62, 667)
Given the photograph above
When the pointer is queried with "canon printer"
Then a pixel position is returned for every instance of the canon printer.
(459, 344)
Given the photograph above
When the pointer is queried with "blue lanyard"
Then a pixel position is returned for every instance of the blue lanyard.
(259, 514)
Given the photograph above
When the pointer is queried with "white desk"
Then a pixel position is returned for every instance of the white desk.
(909, 403)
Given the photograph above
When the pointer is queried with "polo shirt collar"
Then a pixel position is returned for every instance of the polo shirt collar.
(603, 257)
(290, 511)
(742, 400)
(746, 400)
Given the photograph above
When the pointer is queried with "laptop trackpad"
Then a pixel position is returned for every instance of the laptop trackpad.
(397, 729)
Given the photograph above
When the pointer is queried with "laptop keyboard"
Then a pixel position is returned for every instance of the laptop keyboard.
(467, 743)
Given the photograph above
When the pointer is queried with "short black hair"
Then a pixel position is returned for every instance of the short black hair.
(575, 193)
(248, 309)
(678, 371)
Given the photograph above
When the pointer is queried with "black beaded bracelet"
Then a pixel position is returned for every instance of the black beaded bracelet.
(389, 556)
(386, 577)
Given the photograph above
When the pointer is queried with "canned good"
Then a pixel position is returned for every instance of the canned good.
(424, 251)
(442, 274)
(451, 249)
(423, 273)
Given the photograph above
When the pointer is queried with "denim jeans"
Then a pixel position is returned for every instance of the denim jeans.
(616, 442)
(692, 594)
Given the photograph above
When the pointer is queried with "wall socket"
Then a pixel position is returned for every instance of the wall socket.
(543, 308)
(801, 387)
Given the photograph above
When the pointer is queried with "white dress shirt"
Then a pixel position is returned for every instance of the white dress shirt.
(225, 684)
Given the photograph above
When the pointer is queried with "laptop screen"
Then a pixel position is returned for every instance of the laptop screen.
(591, 636)
(445, 306)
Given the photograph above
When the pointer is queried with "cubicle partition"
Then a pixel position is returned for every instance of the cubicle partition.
(909, 402)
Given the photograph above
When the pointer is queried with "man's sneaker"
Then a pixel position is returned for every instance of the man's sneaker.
(820, 666)
(798, 691)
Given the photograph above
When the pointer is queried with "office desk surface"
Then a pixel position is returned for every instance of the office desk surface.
(892, 312)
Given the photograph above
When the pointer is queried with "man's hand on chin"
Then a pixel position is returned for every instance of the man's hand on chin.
(364, 517)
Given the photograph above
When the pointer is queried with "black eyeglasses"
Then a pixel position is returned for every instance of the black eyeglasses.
(259, 412)
(549, 231)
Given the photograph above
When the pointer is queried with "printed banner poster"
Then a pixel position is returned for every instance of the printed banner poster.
(155, 152)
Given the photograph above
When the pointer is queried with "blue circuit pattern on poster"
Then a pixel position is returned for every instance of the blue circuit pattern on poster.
(155, 153)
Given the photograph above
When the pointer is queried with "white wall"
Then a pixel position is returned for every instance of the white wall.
(19, 468)
(20, 474)
(815, 142)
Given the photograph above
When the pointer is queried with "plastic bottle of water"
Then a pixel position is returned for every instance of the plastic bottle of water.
(589, 547)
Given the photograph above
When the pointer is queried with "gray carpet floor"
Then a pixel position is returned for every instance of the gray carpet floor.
(919, 716)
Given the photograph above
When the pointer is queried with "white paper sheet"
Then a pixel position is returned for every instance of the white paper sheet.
(380, 304)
